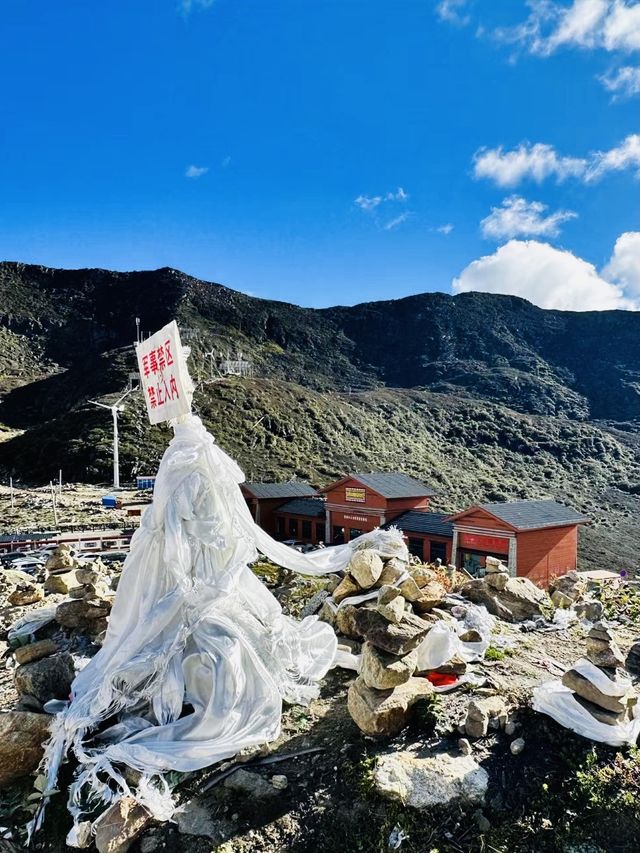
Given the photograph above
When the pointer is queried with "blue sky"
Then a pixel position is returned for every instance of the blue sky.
(329, 152)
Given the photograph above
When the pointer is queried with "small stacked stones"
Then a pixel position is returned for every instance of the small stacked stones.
(91, 601)
(496, 573)
(60, 570)
(603, 652)
(392, 623)
(567, 589)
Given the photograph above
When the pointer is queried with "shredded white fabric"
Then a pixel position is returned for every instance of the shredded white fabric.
(198, 656)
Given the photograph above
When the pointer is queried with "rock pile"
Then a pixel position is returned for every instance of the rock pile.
(509, 598)
(91, 601)
(567, 589)
(392, 612)
(481, 713)
(609, 699)
(18, 589)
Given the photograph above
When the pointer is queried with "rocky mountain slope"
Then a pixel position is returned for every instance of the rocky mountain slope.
(484, 396)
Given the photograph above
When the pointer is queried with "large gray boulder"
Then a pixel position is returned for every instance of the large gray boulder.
(433, 780)
(519, 600)
(48, 678)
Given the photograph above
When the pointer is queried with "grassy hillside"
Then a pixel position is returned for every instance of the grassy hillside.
(484, 396)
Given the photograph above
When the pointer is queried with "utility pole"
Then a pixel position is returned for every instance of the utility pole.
(115, 410)
(53, 501)
(138, 330)
(11, 491)
(60, 481)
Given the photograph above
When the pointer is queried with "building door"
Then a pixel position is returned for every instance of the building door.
(280, 527)
(338, 535)
(319, 532)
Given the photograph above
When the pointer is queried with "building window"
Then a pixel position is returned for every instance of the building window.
(306, 530)
(353, 532)
(319, 532)
(416, 547)
(280, 527)
(438, 551)
(293, 527)
(338, 535)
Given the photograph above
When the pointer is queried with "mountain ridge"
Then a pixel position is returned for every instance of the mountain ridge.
(488, 396)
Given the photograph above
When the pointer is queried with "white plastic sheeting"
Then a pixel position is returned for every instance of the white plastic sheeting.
(443, 642)
(198, 655)
(557, 701)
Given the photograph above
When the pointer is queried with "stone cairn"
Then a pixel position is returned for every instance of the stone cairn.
(91, 601)
(496, 574)
(602, 652)
(391, 623)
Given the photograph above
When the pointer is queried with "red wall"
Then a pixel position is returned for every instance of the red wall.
(545, 554)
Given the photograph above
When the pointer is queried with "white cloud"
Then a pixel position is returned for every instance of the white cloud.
(226, 162)
(612, 25)
(548, 277)
(393, 223)
(624, 266)
(622, 26)
(370, 202)
(452, 11)
(188, 6)
(445, 229)
(533, 162)
(367, 202)
(196, 171)
(624, 156)
(623, 82)
(540, 161)
(517, 217)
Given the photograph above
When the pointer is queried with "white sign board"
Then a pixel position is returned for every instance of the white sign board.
(164, 377)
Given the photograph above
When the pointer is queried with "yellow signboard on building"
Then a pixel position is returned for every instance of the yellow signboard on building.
(355, 495)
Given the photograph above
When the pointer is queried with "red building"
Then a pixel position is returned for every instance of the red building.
(302, 519)
(429, 535)
(359, 503)
(265, 498)
(536, 539)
